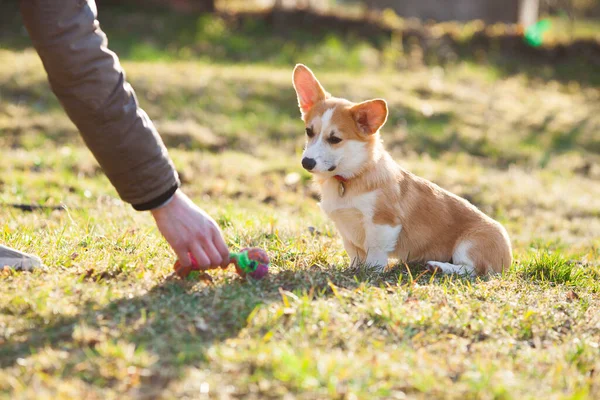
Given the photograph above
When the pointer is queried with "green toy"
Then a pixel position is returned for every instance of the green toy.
(534, 35)
(243, 261)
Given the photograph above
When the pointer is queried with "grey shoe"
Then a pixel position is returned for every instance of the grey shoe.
(18, 260)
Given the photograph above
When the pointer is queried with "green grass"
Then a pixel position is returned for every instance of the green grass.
(563, 30)
(104, 320)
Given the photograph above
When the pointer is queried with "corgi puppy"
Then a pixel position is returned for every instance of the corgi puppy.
(381, 210)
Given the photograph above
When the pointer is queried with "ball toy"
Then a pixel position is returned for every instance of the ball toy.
(251, 261)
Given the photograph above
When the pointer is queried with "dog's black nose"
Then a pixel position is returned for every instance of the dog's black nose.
(308, 163)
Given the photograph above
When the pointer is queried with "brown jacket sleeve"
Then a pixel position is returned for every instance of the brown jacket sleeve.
(90, 84)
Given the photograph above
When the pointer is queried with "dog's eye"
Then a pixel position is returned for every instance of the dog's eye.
(309, 132)
(334, 140)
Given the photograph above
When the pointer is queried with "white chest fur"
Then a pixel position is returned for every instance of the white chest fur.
(353, 217)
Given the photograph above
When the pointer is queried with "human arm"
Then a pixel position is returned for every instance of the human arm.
(90, 83)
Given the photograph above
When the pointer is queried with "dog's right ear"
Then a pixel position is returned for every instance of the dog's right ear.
(308, 89)
(370, 115)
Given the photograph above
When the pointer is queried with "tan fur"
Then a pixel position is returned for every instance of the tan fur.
(434, 221)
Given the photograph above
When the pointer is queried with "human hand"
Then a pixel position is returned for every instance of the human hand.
(191, 231)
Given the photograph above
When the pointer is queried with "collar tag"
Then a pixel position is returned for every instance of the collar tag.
(341, 189)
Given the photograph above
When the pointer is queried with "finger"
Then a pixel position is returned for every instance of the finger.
(221, 247)
(200, 255)
(213, 255)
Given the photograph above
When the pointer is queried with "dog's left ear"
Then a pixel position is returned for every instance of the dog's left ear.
(370, 115)
(308, 89)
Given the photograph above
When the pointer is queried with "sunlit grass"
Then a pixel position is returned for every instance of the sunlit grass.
(104, 320)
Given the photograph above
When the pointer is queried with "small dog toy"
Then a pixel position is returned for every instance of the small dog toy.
(249, 261)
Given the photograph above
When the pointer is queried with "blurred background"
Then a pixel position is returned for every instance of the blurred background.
(498, 100)
(349, 33)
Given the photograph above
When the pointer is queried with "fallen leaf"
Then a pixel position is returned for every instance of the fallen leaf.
(572, 296)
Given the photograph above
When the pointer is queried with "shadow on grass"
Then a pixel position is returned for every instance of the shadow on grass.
(178, 321)
(179, 324)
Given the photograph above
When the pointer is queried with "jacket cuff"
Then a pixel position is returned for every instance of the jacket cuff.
(158, 201)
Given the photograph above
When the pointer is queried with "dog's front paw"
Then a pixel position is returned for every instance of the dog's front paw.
(377, 261)
(379, 268)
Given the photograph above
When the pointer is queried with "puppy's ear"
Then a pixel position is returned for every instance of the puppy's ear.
(308, 89)
(370, 116)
